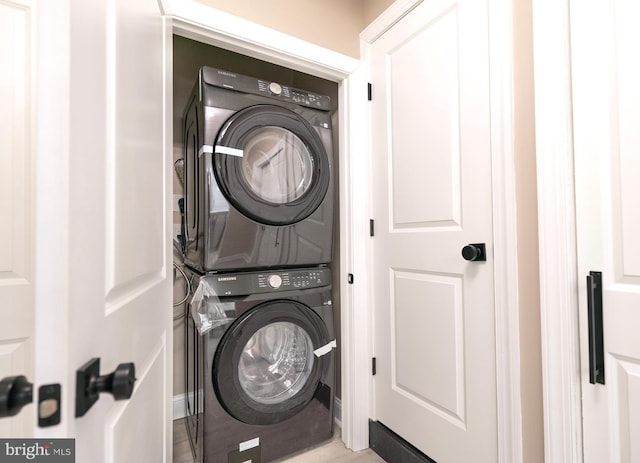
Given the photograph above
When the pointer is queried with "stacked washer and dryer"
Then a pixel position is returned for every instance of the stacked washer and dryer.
(258, 236)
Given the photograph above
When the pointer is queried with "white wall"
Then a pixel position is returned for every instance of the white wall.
(332, 24)
(527, 226)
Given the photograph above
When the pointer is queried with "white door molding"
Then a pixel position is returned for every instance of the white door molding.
(508, 374)
(205, 24)
(556, 230)
(504, 212)
(355, 309)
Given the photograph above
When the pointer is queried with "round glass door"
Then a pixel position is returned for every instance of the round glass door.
(276, 363)
(271, 165)
(264, 369)
(277, 166)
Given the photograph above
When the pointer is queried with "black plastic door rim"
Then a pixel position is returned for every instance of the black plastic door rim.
(229, 147)
(225, 372)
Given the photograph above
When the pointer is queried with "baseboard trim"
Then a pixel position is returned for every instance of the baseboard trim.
(393, 448)
(337, 412)
(179, 409)
(179, 406)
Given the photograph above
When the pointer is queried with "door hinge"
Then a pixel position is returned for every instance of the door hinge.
(373, 366)
(350, 278)
(371, 227)
(369, 98)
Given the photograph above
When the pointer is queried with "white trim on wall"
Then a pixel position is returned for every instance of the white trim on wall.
(509, 405)
(508, 375)
(396, 11)
(200, 22)
(556, 229)
(179, 406)
(357, 387)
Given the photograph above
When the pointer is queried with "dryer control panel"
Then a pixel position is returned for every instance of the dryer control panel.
(246, 84)
(270, 281)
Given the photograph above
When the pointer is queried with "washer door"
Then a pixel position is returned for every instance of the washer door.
(271, 165)
(264, 369)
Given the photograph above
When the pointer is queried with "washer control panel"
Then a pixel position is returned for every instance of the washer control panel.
(293, 279)
(270, 281)
(247, 84)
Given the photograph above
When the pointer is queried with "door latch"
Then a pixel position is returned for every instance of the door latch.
(15, 393)
(475, 252)
(89, 384)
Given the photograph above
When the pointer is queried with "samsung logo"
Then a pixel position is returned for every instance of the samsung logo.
(227, 278)
(228, 74)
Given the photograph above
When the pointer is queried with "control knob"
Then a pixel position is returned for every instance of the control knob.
(274, 281)
(275, 88)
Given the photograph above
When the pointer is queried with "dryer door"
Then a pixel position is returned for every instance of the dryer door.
(266, 367)
(271, 165)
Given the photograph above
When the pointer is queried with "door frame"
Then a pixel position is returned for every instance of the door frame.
(501, 68)
(562, 393)
(208, 25)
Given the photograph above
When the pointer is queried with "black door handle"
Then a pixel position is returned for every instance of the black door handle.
(89, 384)
(475, 252)
(15, 393)
(596, 335)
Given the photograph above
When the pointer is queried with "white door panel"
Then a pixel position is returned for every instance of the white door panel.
(16, 204)
(434, 334)
(93, 111)
(606, 103)
(119, 288)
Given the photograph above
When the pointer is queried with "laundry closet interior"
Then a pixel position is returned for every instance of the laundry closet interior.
(189, 57)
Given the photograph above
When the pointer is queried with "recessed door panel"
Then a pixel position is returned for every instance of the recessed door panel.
(424, 155)
(428, 319)
(134, 165)
(17, 190)
(626, 380)
(626, 140)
